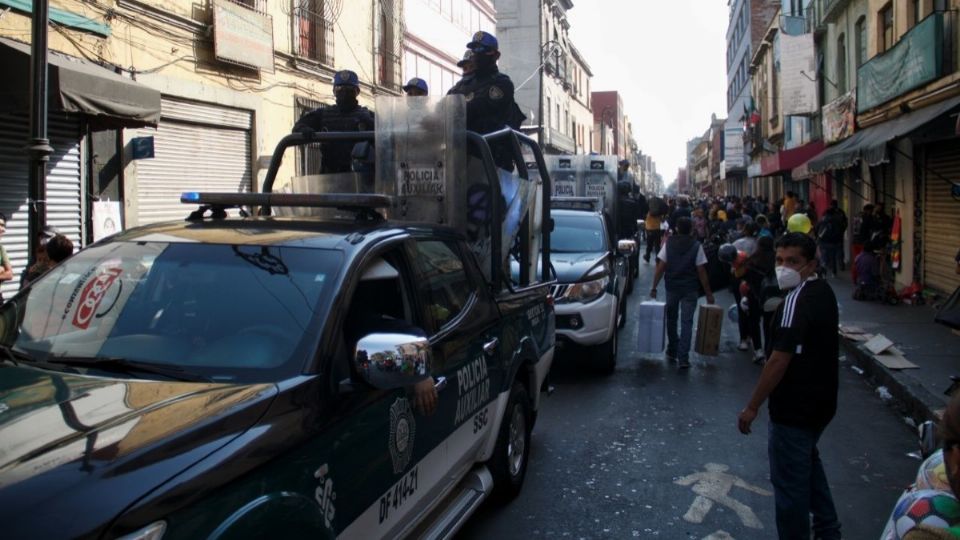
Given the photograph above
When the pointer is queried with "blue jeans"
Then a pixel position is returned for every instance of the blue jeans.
(800, 486)
(683, 304)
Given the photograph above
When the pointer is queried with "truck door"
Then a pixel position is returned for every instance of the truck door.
(466, 344)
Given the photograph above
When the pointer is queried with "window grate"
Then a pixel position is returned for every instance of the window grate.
(309, 157)
(260, 6)
(313, 35)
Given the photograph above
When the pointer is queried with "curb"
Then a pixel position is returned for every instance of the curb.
(917, 401)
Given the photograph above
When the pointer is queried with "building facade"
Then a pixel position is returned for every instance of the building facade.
(435, 37)
(200, 95)
(894, 133)
(612, 133)
(551, 77)
(748, 23)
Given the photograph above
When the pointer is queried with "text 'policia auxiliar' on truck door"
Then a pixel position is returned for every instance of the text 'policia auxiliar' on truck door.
(419, 180)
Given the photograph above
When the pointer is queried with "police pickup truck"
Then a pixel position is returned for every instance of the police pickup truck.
(592, 272)
(325, 364)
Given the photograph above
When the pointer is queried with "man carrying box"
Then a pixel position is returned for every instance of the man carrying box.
(683, 263)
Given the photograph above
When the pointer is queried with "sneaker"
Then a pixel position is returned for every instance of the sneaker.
(743, 345)
(646, 258)
(684, 364)
(759, 358)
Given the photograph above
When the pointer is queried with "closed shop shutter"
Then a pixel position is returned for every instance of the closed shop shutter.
(941, 217)
(197, 147)
(64, 193)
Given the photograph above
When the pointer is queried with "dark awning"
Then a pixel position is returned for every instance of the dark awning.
(870, 145)
(76, 85)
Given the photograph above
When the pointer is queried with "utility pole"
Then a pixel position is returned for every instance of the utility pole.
(38, 146)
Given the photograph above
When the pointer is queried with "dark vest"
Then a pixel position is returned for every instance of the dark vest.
(681, 273)
(337, 155)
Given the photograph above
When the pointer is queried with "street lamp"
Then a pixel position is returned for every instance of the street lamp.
(38, 147)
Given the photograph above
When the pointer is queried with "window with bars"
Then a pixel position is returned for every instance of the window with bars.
(260, 6)
(387, 43)
(313, 36)
(885, 37)
(309, 157)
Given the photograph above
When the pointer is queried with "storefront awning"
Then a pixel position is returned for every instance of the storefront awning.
(786, 160)
(79, 86)
(870, 145)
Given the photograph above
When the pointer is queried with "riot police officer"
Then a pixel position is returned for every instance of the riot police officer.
(466, 64)
(489, 93)
(345, 116)
(416, 87)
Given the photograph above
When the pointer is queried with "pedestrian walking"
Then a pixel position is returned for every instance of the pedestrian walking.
(801, 379)
(682, 262)
(830, 231)
(764, 296)
(6, 269)
(651, 226)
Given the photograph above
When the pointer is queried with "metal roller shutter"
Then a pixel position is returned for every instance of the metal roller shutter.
(64, 194)
(941, 217)
(197, 147)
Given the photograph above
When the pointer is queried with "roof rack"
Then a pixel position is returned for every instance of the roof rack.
(364, 205)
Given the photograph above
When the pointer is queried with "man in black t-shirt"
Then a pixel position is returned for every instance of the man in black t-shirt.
(801, 379)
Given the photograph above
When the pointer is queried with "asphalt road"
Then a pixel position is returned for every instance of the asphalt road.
(609, 453)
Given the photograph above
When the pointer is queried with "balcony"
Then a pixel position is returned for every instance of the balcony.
(924, 54)
(559, 141)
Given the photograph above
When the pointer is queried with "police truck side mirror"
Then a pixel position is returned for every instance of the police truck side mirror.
(388, 361)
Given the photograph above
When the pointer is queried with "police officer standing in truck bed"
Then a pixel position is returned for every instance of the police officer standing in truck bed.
(345, 116)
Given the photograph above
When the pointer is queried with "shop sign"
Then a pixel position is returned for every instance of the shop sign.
(839, 118)
(242, 35)
(915, 60)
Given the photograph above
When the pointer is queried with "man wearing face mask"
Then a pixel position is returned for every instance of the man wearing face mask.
(489, 95)
(345, 116)
(800, 378)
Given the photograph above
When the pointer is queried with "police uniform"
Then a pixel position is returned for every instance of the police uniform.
(338, 118)
(488, 92)
(489, 96)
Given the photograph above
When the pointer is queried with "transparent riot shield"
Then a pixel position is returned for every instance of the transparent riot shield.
(421, 158)
(598, 175)
(564, 171)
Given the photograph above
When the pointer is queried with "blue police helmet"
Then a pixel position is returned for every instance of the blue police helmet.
(483, 42)
(416, 82)
(467, 57)
(346, 78)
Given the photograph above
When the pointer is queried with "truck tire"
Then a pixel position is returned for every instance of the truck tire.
(508, 466)
(606, 354)
(622, 314)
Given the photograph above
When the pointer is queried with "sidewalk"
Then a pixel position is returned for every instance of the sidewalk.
(934, 348)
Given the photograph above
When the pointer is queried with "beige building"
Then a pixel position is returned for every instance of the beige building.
(436, 34)
(230, 79)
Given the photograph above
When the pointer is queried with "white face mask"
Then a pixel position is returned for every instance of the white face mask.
(787, 278)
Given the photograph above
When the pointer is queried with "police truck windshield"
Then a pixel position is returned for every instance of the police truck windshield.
(219, 312)
(577, 233)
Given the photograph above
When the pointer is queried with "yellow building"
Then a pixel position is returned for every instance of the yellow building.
(230, 78)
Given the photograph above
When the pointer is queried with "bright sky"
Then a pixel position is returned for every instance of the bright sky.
(667, 58)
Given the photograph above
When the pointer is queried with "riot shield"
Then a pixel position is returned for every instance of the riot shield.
(421, 158)
(564, 171)
(598, 176)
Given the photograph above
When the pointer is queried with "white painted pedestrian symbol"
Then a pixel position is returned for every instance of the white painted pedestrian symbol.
(713, 486)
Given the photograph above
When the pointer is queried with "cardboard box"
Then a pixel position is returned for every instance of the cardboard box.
(709, 328)
(652, 331)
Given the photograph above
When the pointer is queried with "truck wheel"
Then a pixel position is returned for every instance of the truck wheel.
(606, 355)
(508, 466)
(622, 314)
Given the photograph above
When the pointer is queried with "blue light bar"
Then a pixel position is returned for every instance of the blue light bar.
(190, 197)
